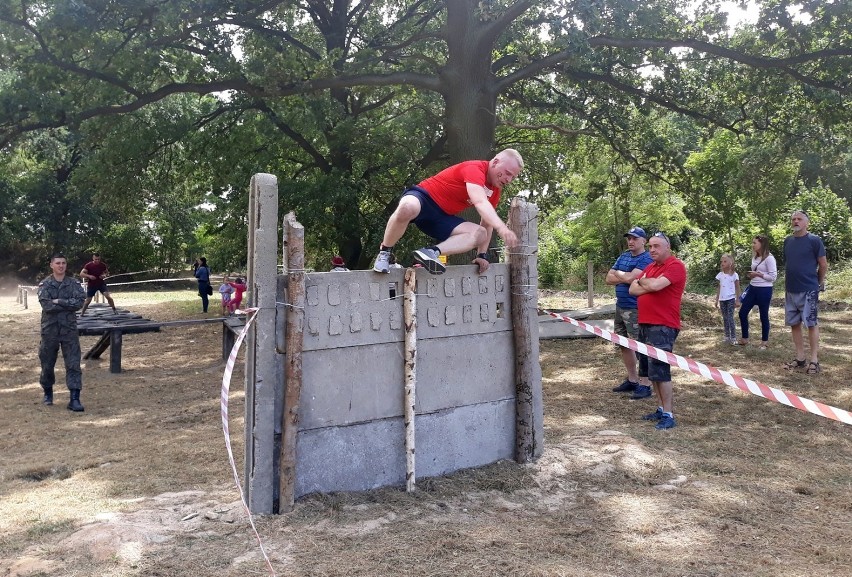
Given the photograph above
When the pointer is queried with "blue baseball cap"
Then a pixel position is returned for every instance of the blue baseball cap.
(636, 231)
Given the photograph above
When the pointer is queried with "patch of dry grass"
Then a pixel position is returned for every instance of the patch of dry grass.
(741, 487)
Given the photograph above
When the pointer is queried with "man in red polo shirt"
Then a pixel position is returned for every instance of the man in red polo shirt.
(433, 204)
(659, 291)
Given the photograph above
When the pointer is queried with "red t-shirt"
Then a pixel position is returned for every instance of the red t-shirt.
(663, 306)
(96, 269)
(448, 188)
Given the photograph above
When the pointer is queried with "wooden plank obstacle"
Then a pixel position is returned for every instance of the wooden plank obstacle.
(112, 326)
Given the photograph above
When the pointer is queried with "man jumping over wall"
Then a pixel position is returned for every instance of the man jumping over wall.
(433, 204)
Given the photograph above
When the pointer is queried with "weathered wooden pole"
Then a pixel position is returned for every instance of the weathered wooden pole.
(115, 351)
(294, 233)
(409, 311)
(26, 294)
(529, 428)
(590, 280)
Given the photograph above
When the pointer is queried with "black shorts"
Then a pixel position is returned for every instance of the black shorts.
(92, 291)
(432, 220)
(661, 337)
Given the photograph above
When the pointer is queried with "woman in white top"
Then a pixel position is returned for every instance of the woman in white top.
(763, 273)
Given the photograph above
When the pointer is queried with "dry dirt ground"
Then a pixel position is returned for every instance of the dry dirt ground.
(139, 484)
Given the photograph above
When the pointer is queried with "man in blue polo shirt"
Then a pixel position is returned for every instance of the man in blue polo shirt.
(629, 266)
(804, 255)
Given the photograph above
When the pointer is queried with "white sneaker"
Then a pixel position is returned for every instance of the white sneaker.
(429, 259)
(382, 262)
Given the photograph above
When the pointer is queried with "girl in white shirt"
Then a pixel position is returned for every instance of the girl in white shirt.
(763, 273)
(727, 289)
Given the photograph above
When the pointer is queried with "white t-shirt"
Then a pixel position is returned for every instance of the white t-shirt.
(727, 286)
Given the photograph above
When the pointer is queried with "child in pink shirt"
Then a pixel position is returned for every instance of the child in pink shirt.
(237, 298)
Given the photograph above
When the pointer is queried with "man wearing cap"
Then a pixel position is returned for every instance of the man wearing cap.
(659, 291)
(338, 264)
(804, 255)
(628, 266)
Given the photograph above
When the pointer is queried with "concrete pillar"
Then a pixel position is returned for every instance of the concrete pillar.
(263, 375)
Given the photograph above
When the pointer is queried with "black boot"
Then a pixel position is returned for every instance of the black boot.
(74, 403)
(48, 397)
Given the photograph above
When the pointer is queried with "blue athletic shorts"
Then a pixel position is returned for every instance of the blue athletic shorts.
(432, 220)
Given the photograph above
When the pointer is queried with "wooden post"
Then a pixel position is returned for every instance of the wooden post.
(529, 427)
(115, 351)
(409, 312)
(19, 299)
(590, 275)
(295, 235)
(26, 293)
(228, 339)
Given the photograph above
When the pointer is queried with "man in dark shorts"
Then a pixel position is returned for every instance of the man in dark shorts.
(628, 266)
(804, 255)
(659, 291)
(95, 272)
(433, 204)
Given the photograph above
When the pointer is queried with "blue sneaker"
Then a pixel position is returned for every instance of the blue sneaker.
(666, 423)
(655, 416)
(627, 386)
(641, 392)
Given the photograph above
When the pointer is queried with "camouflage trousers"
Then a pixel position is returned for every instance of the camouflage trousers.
(48, 350)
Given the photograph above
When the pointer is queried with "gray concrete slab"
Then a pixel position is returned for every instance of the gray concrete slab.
(357, 384)
(354, 308)
(371, 455)
(557, 329)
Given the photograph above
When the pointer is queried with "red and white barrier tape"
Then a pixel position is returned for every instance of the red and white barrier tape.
(732, 380)
(226, 387)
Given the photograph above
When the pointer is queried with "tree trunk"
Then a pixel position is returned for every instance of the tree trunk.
(470, 91)
(470, 95)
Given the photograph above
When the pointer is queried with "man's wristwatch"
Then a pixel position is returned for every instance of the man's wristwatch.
(483, 256)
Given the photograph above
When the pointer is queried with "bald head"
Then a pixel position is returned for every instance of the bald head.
(504, 167)
(659, 247)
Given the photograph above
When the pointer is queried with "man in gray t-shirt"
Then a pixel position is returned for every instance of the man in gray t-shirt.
(806, 265)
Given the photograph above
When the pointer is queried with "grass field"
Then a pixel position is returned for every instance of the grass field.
(139, 484)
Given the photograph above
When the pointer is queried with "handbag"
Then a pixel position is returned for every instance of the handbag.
(209, 289)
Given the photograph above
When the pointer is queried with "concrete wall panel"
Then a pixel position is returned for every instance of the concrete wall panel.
(371, 455)
(357, 384)
(354, 308)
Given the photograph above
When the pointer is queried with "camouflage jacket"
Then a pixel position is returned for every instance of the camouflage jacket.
(63, 313)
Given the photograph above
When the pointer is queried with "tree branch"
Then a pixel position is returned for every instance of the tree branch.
(782, 64)
(548, 126)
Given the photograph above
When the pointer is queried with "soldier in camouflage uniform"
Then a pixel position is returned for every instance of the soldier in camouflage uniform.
(60, 298)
